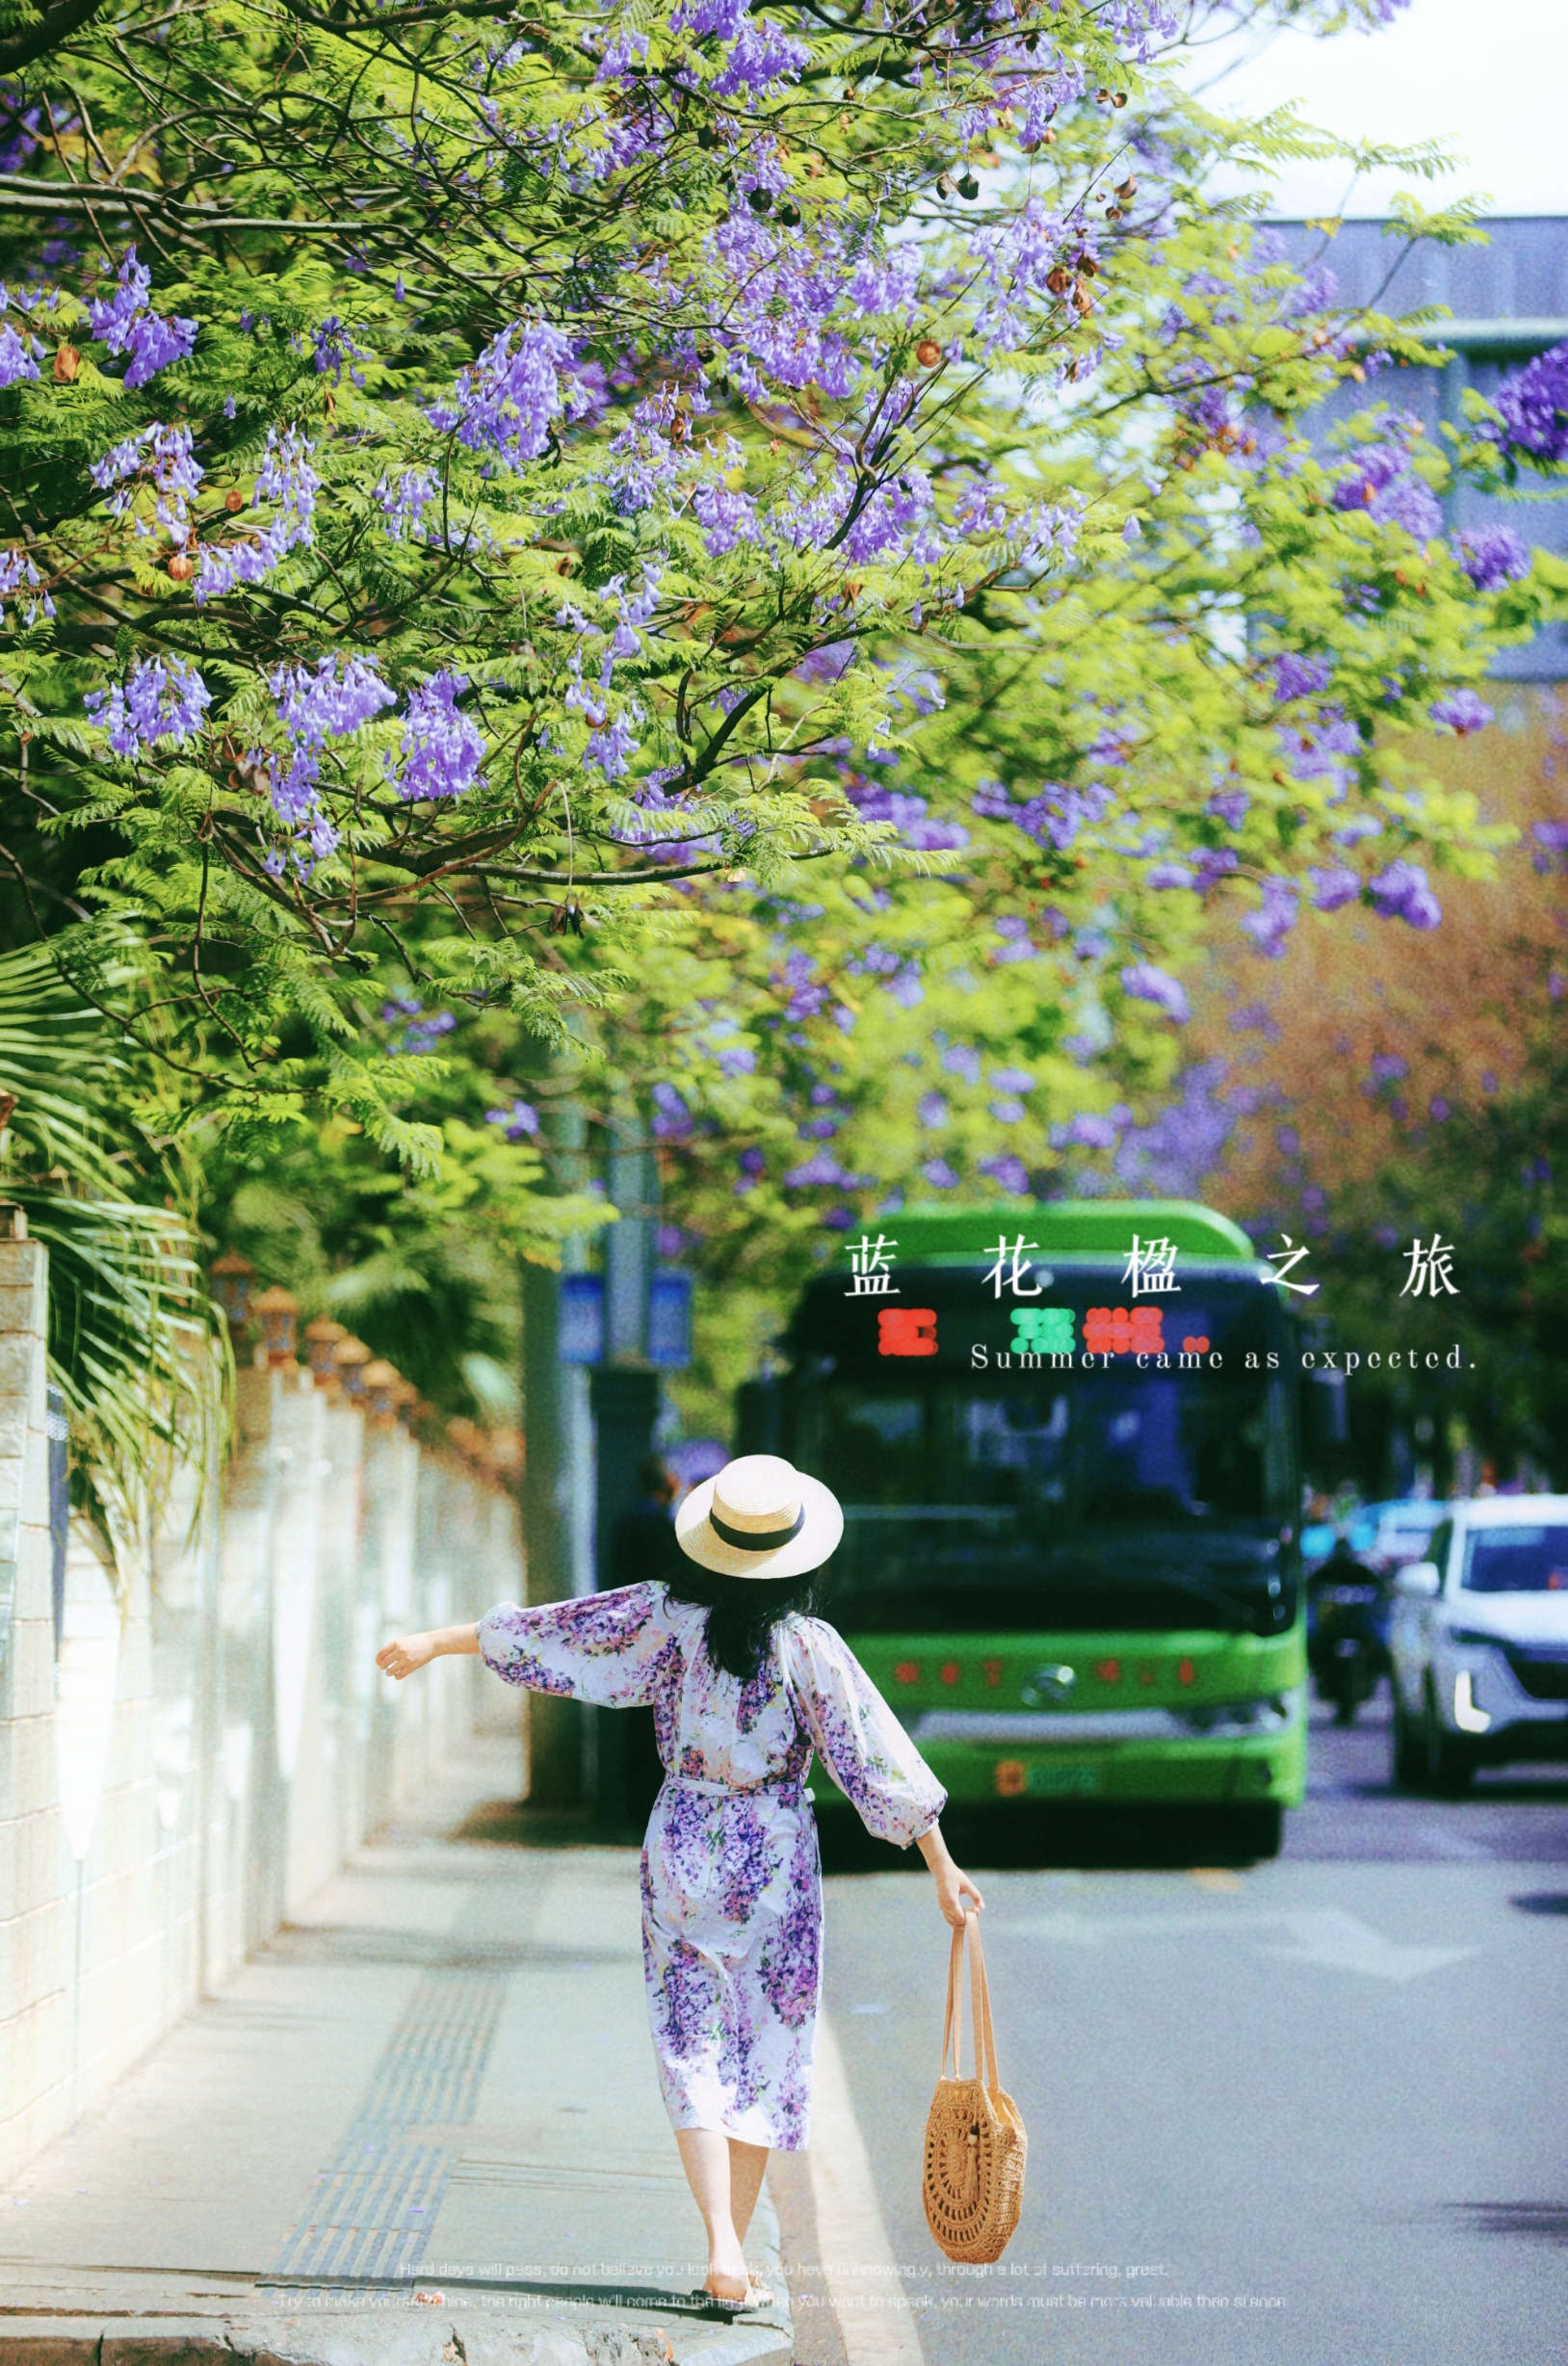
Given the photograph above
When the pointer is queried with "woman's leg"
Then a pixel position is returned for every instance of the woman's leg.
(705, 2157)
(746, 2163)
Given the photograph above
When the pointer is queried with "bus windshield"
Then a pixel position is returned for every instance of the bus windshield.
(983, 1491)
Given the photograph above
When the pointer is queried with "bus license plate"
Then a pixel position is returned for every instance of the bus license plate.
(1062, 1781)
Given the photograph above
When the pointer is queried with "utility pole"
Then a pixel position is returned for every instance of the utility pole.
(625, 1400)
(557, 1483)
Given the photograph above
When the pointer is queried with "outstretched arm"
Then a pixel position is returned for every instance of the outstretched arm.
(953, 1888)
(400, 1658)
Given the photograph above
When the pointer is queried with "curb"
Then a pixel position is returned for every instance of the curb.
(447, 2338)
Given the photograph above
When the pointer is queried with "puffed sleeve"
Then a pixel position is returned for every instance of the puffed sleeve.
(856, 1735)
(608, 1649)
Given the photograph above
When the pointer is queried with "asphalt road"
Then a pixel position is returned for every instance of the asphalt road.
(1309, 2114)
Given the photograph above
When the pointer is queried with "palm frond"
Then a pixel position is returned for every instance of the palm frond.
(134, 1342)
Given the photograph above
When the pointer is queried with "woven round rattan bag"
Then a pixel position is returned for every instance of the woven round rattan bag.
(975, 2142)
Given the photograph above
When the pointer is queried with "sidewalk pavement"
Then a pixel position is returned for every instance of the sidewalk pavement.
(423, 2126)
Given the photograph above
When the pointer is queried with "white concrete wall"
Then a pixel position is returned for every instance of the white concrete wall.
(212, 1737)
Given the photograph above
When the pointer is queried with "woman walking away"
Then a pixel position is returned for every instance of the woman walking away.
(743, 1685)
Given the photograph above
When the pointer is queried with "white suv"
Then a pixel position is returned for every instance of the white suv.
(1480, 1642)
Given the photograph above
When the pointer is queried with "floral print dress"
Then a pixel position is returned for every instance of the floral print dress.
(732, 1902)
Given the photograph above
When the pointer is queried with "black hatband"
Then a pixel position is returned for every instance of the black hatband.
(753, 1541)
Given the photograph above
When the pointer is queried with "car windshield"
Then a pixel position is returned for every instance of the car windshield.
(1527, 1559)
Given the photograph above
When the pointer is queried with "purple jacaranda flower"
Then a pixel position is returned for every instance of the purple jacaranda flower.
(423, 1029)
(727, 518)
(1058, 813)
(825, 665)
(612, 746)
(671, 1117)
(1230, 806)
(752, 1163)
(1255, 1014)
(963, 1060)
(820, 1167)
(1380, 479)
(1090, 1131)
(1334, 885)
(1012, 1080)
(1403, 892)
(1462, 712)
(126, 324)
(1212, 863)
(1388, 1068)
(18, 352)
(441, 748)
(1145, 983)
(737, 1059)
(1008, 1170)
(164, 457)
(405, 503)
(521, 385)
(807, 998)
(939, 1174)
(285, 477)
(329, 702)
(933, 1110)
(1439, 1110)
(520, 1123)
(19, 572)
(1553, 835)
(163, 698)
(1007, 1112)
(1299, 678)
(1324, 748)
(1533, 406)
(908, 814)
(1170, 874)
(1275, 917)
(1363, 825)
(1491, 556)
(332, 345)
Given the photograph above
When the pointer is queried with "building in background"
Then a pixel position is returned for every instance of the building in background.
(1508, 302)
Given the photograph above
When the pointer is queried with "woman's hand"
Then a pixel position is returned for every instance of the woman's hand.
(955, 1893)
(401, 1657)
(407, 1653)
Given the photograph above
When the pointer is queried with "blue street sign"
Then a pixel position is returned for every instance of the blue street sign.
(669, 1317)
(582, 1318)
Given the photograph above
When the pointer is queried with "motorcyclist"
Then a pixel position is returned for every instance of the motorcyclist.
(1347, 1614)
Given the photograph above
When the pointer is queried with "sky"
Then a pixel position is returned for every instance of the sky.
(1486, 77)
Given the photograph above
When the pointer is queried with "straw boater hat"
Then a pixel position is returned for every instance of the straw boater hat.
(760, 1518)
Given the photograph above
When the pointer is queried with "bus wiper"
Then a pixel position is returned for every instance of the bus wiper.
(1195, 1586)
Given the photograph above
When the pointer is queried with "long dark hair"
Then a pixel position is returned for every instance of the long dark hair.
(742, 1611)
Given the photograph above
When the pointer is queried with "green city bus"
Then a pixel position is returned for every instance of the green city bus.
(1071, 1508)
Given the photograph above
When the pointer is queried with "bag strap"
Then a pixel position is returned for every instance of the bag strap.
(980, 1994)
(980, 1998)
(952, 2023)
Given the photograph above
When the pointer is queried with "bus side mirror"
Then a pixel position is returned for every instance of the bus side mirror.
(1419, 1580)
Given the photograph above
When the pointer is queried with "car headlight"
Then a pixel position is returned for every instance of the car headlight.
(1466, 1715)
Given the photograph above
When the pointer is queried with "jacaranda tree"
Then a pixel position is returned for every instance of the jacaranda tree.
(771, 554)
